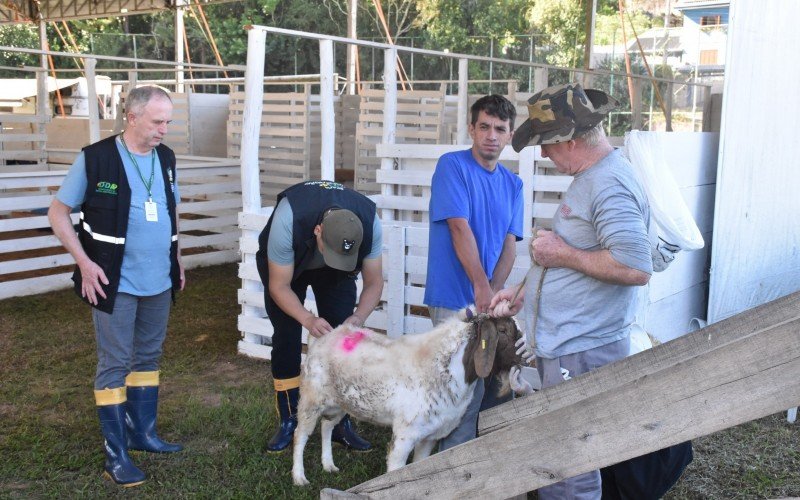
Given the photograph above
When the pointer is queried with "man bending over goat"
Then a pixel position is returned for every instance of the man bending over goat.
(420, 385)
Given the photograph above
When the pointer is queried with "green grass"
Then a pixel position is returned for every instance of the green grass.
(219, 405)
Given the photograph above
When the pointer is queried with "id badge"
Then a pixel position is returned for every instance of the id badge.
(150, 211)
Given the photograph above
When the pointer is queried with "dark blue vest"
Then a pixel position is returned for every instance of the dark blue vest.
(105, 212)
(309, 200)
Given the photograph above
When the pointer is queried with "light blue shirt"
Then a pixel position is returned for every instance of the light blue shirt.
(145, 262)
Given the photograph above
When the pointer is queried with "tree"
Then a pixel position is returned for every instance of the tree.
(18, 35)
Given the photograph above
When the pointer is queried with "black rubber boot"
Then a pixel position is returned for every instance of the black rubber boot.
(141, 410)
(345, 434)
(118, 466)
(286, 401)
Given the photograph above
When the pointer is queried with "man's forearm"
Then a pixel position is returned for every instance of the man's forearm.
(504, 264)
(288, 302)
(602, 266)
(467, 253)
(59, 217)
(368, 301)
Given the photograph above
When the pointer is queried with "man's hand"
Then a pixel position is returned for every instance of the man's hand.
(183, 274)
(354, 320)
(501, 307)
(525, 350)
(483, 297)
(316, 326)
(518, 384)
(92, 276)
(548, 249)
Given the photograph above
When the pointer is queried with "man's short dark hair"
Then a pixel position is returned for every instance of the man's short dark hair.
(494, 105)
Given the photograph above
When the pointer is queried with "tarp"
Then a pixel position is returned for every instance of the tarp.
(17, 89)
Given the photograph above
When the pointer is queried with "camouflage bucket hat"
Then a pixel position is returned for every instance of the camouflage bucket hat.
(561, 113)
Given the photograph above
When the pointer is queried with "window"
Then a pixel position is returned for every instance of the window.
(709, 56)
(711, 20)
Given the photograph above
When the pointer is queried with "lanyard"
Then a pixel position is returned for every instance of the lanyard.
(147, 184)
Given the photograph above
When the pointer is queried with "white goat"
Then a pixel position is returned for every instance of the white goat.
(420, 385)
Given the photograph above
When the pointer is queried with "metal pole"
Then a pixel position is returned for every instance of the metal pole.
(463, 101)
(328, 118)
(530, 68)
(491, 54)
(135, 56)
(352, 50)
(251, 121)
(179, 30)
(91, 91)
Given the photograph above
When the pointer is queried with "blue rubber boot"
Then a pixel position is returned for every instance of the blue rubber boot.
(286, 401)
(345, 434)
(141, 410)
(118, 466)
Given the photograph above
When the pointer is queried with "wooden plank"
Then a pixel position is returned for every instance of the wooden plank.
(23, 223)
(718, 377)
(20, 118)
(32, 243)
(6, 137)
(32, 286)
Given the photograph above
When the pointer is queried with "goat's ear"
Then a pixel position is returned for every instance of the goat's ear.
(487, 345)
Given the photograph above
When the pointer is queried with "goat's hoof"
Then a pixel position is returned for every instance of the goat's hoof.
(300, 481)
(330, 468)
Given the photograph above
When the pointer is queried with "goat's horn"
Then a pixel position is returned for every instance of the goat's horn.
(466, 315)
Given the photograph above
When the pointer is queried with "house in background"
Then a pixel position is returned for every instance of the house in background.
(704, 35)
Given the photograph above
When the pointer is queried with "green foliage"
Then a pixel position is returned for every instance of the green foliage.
(18, 35)
(563, 23)
(608, 29)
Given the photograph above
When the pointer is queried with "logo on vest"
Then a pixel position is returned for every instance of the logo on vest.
(326, 185)
(104, 187)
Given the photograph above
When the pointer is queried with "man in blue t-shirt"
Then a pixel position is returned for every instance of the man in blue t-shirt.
(128, 269)
(475, 220)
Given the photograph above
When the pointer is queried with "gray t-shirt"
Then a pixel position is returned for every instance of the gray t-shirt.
(279, 245)
(605, 207)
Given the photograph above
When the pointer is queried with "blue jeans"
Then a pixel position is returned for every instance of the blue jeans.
(130, 338)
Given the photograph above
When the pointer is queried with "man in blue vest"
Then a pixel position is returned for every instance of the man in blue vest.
(128, 269)
(321, 235)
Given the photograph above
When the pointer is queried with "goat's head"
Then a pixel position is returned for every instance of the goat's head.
(490, 349)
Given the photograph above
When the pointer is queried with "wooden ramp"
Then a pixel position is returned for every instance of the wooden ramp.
(734, 371)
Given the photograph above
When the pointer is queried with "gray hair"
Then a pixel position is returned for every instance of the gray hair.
(594, 136)
(138, 98)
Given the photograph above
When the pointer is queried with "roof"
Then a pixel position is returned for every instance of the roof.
(21, 11)
(700, 4)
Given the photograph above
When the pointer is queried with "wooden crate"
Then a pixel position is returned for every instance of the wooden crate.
(419, 121)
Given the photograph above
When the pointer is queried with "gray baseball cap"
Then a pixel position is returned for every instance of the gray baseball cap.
(342, 233)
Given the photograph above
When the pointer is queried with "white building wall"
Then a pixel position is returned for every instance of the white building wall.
(756, 252)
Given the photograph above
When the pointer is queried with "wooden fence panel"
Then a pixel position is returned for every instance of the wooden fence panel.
(32, 259)
(285, 145)
(419, 121)
(22, 139)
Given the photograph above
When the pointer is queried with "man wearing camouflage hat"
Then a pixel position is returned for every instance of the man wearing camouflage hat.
(597, 254)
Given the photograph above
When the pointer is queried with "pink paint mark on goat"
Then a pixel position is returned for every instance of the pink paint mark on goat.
(351, 341)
